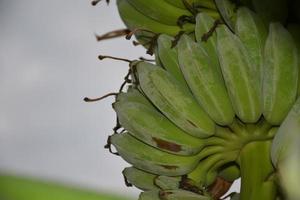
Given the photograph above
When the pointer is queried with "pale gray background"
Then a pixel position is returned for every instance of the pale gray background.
(48, 63)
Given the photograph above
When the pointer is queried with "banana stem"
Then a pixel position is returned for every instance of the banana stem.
(256, 170)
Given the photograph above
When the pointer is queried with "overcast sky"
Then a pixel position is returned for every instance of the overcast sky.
(48, 63)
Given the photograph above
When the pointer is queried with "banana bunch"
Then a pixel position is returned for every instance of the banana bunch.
(173, 17)
(196, 116)
(163, 16)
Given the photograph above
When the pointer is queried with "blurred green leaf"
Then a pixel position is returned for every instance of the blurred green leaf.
(16, 188)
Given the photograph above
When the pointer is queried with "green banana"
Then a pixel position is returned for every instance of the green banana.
(230, 172)
(206, 36)
(206, 3)
(181, 194)
(206, 171)
(174, 100)
(136, 20)
(280, 74)
(147, 124)
(140, 179)
(149, 195)
(201, 3)
(133, 95)
(169, 57)
(294, 29)
(205, 81)
(177, 3)
(227, 11)
(159, 10)
(240, 78)
(253, 33)
(172, 195)
(150, 159)
(156, 56)
(168, 182)
(147, 181)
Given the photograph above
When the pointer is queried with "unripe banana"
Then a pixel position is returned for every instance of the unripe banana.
(156, 56)
(159, 10)
(140, 179)
(253, 33)
(150, 159)
(147, 124)
(168, 182)
(201, 3)
(172, 195)
(177, 3)
(133, 95)
(230, 173)
(181, 194)
(240, 78)
(149, 195)
(174, 100)
(280, 74)
(200, 172)
(294, 29)
(136, 20)
(227, 11)
(205, 81)
(206, 36)
(169, 57)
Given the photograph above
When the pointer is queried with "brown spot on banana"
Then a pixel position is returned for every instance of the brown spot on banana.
(166, 145)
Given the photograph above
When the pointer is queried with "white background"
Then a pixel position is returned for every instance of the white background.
(48, 63)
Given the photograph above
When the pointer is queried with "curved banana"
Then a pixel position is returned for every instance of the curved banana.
(169, 57)
(168, 182)
(174, 100)
(159, 10)
(133, 95)
(140, 179)
(149, 195)
(147, 124)
(172, 195)
(253, 33)
(181, 194)
(199, 174)
(210, 4)
(227, 11)
(205, 81)
(137, 20)
(240, 78)
(206, 36)
(150, 159)
(280, 74)
(230, 172)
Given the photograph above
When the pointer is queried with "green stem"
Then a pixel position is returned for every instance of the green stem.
(256, 172)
